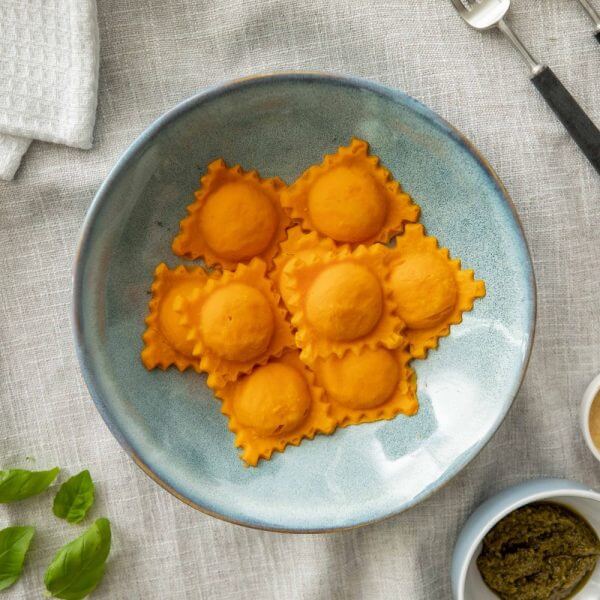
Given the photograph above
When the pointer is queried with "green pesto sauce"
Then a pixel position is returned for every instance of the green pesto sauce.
(542, 551)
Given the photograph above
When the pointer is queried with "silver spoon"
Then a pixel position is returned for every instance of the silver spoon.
(485, 14)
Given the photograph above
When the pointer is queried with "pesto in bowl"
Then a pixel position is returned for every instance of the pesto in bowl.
(542, 551)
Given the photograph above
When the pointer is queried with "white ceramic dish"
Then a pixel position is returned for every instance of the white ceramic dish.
(586, 404)
(467, 583)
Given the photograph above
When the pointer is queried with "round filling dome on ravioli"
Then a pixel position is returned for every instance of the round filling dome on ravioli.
(345, 301)
(347, 205)
(274, 399)
(424, 289)
(169, 319)
(238, 221)
(237, 322)
(360, 381)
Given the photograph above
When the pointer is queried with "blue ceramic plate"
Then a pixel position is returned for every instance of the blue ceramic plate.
(170, 423)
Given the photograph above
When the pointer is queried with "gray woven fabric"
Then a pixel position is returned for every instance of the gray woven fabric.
(157, 52)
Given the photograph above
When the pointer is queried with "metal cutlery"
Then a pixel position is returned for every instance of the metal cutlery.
(486, 14)
(593, 14)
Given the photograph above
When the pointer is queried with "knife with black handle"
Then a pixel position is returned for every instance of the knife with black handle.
(595, 16)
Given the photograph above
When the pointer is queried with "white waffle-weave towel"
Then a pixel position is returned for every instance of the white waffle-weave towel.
(49, 56)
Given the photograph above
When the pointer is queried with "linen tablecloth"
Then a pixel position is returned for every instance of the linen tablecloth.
(157, 52)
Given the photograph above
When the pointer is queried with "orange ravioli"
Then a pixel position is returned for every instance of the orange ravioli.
(339, 303)
(357, 311)
(274, 406)
(165, 339)
(373, 385)
(235, 217)
(297, 244)
(350, 198)
(430, 290)
(234, 323)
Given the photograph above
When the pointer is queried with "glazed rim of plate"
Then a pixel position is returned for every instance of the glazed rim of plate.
(86, 362)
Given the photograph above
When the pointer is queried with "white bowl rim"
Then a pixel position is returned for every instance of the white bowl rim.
(534, 497)
(589, 395)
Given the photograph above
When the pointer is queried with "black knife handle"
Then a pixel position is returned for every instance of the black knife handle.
(577, 123)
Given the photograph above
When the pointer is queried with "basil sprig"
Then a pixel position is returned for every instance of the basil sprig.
(18, 484)
(78, 566)
(14, 543)
(74, 497)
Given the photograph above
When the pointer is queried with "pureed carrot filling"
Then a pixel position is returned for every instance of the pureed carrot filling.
(307, 322)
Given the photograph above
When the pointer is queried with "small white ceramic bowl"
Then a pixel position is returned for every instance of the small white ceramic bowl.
(586, 404)
(467, 583)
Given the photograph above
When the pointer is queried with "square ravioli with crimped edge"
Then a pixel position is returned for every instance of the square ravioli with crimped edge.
(235, 217)
(165, 339)
(357, 311)
(350, 197)
(339, 301)
(234, 322)
(368, 386)
(276, 405)
(429, 289)
(296, 243)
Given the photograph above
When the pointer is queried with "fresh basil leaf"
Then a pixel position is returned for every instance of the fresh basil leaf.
(18, 484)
(74, 497)
(14, 543)
(78, 566)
